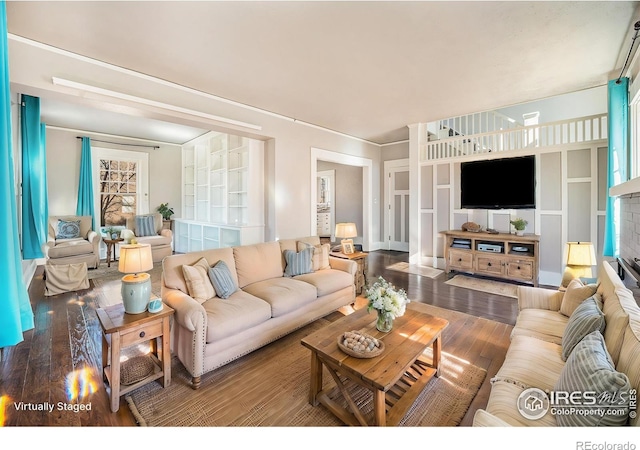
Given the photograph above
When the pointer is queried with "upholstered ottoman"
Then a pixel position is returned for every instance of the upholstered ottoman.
(60, 278)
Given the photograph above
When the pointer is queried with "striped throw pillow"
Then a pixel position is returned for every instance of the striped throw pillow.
(586, 318)
(320, 258)
(589, 369)
(298, 263)
(222, 281)
(145, 226)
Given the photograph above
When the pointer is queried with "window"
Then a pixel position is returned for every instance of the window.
(120, 184)
(118, 187)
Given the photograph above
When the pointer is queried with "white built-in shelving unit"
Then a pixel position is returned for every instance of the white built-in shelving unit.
(222, 190)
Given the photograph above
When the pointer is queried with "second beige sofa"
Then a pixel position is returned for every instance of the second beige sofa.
(534, 358)
(266, 306)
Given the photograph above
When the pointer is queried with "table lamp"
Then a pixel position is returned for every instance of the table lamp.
(346, 230)
(581, 256)
(135, 260)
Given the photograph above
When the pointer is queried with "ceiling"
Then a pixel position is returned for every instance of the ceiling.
(362, 68)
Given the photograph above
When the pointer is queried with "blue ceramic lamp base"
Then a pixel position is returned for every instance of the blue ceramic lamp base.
(136, 292)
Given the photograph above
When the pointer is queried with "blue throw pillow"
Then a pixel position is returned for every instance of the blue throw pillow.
(298, 263)
(145, 226)
(222, 281)
(68, 229)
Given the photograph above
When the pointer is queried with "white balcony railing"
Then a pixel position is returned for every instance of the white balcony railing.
(583, 129)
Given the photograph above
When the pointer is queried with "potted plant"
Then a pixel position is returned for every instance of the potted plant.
(112, 233)
(165, 211)
(519, 224)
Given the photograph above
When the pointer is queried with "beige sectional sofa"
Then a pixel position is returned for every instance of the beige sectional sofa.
(267, 305)
(534, 358)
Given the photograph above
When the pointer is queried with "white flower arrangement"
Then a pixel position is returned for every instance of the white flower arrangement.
(384, 297)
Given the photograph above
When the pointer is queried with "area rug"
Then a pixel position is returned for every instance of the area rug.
(270, 387)
(415, 269)
(480, 284)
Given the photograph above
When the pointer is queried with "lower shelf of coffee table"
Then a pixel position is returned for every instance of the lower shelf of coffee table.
(399, 398)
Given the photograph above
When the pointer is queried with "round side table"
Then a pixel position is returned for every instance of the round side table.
(111, 247)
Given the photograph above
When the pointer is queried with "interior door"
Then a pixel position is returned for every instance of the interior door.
(398, 208)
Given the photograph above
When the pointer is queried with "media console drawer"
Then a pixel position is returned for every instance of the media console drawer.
(461, 259)
(490, 265)
(520, 269)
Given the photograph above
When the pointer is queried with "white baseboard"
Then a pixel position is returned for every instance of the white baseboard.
(29, 267)
(432, 261)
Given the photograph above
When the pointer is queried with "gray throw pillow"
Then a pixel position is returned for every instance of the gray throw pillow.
(587, 317)
(222, 281)
(145, 226)
(589, 369)
(68, 229)
(298, 263)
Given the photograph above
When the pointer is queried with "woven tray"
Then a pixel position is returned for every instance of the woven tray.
(355, 354)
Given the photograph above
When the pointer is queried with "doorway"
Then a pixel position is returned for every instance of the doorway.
(396, 201)
(326, 206)
(367, 189)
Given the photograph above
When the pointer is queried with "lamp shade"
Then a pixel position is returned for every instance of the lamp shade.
(135, 258)
(581, 254)
(346, 230)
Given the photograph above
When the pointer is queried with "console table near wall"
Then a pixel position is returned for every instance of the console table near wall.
(502, 255)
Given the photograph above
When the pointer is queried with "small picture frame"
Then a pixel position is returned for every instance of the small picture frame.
(347, 246)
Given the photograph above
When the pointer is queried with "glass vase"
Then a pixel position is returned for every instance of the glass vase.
(384, 322)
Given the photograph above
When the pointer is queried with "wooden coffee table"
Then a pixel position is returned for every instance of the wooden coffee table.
(396, 377)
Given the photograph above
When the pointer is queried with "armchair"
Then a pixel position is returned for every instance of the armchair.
(71, 240)
(147, 229)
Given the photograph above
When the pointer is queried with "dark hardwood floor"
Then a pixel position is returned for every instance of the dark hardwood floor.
(59, 363)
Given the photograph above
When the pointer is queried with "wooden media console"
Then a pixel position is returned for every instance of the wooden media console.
(499, 255)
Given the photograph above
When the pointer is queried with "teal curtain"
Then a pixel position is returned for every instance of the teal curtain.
(618, 120)
(34, 179)
(85, 186)
(16, 315)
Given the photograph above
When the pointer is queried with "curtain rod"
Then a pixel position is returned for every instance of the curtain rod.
(636, 27)
(117, 143)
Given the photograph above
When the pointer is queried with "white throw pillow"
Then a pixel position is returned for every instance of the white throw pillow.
(576, 293)
(197, 279)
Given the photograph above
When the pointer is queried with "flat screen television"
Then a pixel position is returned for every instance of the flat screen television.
(506, 183)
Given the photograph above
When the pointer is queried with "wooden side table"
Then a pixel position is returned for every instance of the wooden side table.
(111, 247)
(120, 330)
(361, 259)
